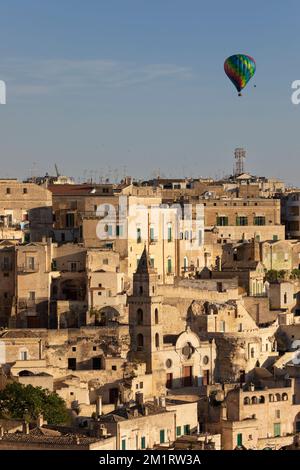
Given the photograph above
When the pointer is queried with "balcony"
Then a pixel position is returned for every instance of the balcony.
(28, 268)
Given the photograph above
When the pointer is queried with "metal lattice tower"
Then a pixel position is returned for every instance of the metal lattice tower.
(239, 155)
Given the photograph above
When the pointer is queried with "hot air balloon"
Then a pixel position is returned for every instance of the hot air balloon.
(239, 68)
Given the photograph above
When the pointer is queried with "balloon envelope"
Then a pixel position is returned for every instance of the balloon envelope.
(239, 68)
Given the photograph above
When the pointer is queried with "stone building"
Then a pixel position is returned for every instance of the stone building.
(25, 211)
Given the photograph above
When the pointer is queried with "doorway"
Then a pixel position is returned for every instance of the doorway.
(187, 376)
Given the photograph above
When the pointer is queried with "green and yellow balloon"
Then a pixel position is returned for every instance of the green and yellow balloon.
(240, 68)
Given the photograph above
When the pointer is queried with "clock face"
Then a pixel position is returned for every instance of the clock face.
(187, 350)
(168, 363)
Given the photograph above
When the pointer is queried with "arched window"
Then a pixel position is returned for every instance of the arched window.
(156, 316)
(140, 315)
(140, 341)
(271, 397)
(156, 340)
(141, 289)
(285, 397)
(252, 352)
(278, 397)
(254, 400)
(261, 399)
(246, 401)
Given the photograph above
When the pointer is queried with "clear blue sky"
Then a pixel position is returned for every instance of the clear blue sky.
(97, 85)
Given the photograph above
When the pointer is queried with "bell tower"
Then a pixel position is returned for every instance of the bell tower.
(145, 310)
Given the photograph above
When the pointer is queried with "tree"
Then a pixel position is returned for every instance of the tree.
(16, 400)
(295, 274)
(274, 276)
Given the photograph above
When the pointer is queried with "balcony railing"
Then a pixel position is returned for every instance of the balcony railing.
(28, 268)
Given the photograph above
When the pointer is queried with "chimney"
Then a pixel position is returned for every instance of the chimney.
(25, 427)
(223, 411)
(156, 401)
(98, 406)
(162, 401)
(102, 431)
(40, 421)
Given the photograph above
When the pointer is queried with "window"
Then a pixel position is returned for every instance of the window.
(156, 316)
(74, 348)
(169, 265)
(141, 384)
(96, 363)
(110, 230)
(151, 234)
(141, 289)
(24, 355)
(169, 233)
(8, 191)
(156, 340)
(94, 348)
(186, 429)
(5, 263)
(143, 442)
(240, 327)
(259, 220)
(162, 436)
(277, 429)
(178, 431)
(140, 341)
(73, 266)
(239, 439)
(185, 264)
(25, 191)
(138, 235)
(252, 353)
(222, 326)
(222, 221)
(140, 316)
(31, 296)
(241, 220)
(200, 237)
(30, 262)
(123, 444)
(119, 230)
(275, 238)
(277, 414)
(70, 219)
(113, 367)
(105, 261)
